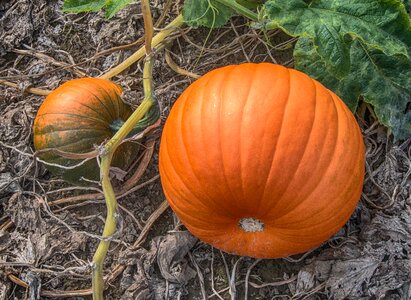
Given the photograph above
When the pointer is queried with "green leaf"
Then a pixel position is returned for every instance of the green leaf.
(111, 6)
(114, 6)
(383, 81)
(77, 6)
(207, 13)
(380, 24)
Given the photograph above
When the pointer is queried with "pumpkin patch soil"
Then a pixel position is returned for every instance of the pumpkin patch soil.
(48, 248)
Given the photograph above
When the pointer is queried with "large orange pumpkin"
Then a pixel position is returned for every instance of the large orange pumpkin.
(262, 161)
(77, 117)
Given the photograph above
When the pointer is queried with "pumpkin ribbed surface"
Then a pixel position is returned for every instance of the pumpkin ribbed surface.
(262, 161)
(77, 117)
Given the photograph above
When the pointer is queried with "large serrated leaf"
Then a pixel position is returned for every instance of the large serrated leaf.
(383, 81)
(207, 13)
(380, 24)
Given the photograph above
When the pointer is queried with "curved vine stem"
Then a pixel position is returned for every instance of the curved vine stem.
(106, 157)
(111, 202)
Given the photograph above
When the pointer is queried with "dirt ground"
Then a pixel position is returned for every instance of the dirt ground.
(48, 231)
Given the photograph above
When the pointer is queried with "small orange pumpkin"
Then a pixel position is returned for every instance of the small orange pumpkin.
(76, 117)
(261, 160)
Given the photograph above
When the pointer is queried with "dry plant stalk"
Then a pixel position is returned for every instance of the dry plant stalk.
(177, 69)
(35, 91)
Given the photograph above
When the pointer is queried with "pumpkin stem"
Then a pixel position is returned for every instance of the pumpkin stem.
(251, 225)
(149, 119)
